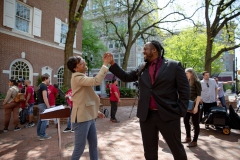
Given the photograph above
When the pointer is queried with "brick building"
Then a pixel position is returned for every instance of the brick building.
(33, 35)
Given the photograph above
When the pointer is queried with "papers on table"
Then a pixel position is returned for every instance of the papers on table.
(53, 109)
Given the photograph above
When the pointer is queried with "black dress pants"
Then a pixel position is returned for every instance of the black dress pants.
(113, 109)
(195, 121)
(207, 106)
(170, 131)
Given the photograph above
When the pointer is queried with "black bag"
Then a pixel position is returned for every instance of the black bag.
(23, 115)
(105, 112)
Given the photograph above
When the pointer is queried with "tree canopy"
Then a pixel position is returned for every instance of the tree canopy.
(222, 25)
(188, 47)
(75, 14)
(91, 44)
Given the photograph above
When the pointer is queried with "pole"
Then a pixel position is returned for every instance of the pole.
(233, 74)
(88, 66)
(236, 77)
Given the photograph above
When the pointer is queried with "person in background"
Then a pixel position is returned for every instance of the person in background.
(43, 104)
(85, 105)
(221, 95)
(209, 94)
(52, 95)
(11, 106)
(68, 96)
(114, 100)
(22, 89)
(195, 92)
(29, 96)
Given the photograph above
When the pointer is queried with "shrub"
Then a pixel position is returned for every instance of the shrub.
(61, 96)
(124, 92)
(2, 96)
(228, 87)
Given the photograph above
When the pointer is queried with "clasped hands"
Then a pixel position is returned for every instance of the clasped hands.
(108, 59)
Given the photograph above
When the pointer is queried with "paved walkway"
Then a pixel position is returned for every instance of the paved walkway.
(120, 141)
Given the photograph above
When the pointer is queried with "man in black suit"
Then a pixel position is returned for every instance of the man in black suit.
(163, 99)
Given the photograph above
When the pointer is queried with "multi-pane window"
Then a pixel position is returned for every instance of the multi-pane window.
(20, 70)
(64, 30)
(140, 58)
(227, 65)
(23, 17)
(94, 6)
(106, 3)
(60, 77)
(110, 45)
(140, 42)
(118, 58)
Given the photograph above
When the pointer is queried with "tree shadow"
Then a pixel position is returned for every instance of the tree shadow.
(201, 154)
(217, 133)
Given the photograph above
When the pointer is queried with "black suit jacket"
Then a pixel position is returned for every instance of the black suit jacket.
(170, 90)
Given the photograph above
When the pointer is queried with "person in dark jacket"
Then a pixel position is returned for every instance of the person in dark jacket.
(195, 95)
(163, 99)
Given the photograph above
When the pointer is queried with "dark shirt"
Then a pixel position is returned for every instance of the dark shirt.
(152, 104)
(195, 90)
(41, 88)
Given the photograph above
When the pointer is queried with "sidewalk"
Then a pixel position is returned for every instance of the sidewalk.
(116, 141)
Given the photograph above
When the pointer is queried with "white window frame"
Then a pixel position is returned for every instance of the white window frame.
(60, 77)
(29, 67)
(62, 32)
(9, 18)
(57, 33)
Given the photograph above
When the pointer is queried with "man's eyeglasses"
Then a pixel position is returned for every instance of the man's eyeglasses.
(207, 85)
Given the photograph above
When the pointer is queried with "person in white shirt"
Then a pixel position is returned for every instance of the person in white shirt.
(209, 93)
(221, 96)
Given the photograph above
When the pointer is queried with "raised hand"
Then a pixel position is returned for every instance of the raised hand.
(108, 58)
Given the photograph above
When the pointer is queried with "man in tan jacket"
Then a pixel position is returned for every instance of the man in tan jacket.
(86, 105)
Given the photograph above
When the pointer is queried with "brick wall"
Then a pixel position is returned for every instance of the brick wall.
(50, 10)
(38, 55)
(124, 101)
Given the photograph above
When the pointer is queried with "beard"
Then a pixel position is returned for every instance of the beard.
(148, 57)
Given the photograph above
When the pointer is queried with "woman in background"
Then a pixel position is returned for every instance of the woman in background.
(11, 106)
(195, 93)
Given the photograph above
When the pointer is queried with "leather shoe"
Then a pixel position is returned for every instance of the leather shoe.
(192, 144)
(187, 140)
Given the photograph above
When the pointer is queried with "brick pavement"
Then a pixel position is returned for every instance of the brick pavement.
(120, 141)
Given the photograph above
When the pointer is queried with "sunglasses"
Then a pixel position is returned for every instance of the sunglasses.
(207, 85)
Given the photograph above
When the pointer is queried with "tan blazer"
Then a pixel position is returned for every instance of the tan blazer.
(85, 101)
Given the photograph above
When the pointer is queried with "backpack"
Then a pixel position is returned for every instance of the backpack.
(23, 115)
(19, 97)
(105, 112)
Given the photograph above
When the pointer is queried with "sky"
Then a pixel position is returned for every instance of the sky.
(190, 8)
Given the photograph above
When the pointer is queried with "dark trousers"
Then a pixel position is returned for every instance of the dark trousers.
(170, 131)
(207, 106)
(195, 122)
(113, 109)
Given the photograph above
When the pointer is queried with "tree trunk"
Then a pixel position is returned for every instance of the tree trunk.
(208, 54)
(74, 17)
(125, 62)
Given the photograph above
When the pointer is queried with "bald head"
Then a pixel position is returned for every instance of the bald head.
(27, 82)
